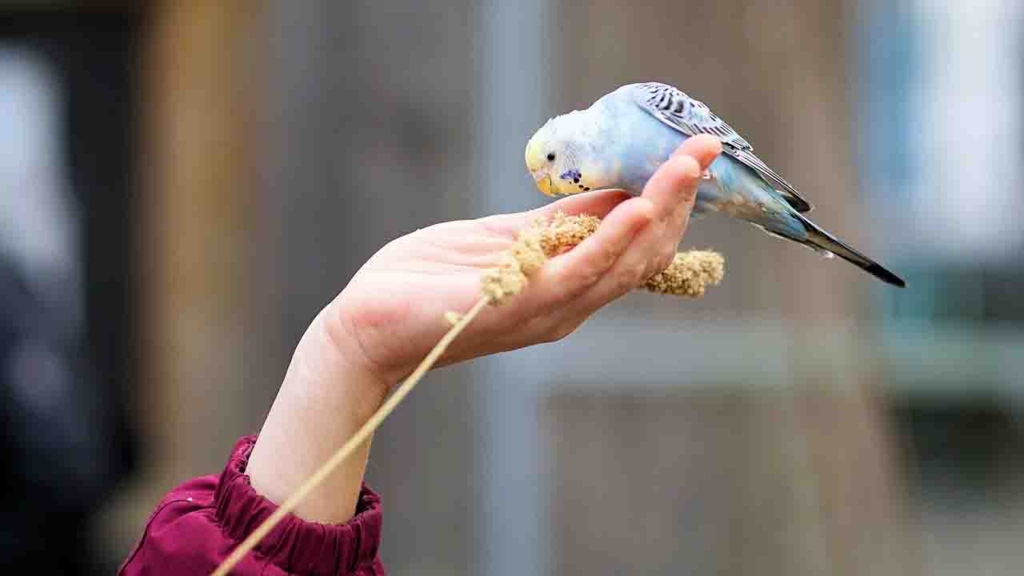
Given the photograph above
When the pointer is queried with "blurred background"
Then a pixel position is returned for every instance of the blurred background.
(184, 184)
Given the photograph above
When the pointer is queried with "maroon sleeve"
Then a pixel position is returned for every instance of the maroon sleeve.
(198, 524)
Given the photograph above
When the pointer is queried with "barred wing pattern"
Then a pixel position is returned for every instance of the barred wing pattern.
(691, 117)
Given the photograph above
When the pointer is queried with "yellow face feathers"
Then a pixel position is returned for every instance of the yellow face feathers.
(540, 160)
(535, 153)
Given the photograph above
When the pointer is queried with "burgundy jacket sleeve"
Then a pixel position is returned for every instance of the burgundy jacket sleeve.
(198, 524)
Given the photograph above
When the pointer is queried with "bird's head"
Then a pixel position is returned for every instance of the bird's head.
(558, 156)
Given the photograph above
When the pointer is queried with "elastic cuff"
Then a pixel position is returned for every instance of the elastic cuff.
(296, 545)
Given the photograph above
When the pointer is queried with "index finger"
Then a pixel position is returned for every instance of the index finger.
(598, 203)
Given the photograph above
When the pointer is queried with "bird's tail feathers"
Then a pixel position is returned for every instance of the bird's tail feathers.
(823, 242)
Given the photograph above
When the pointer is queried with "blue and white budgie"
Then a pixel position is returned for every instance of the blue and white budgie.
(622, 138)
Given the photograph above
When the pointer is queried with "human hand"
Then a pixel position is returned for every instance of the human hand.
(391, 313)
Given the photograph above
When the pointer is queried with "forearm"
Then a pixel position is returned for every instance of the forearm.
(327, 394)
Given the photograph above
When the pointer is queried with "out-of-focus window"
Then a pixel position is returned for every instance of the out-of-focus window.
(939, 96)
(939, 92)
(65, 336)
(38, 227)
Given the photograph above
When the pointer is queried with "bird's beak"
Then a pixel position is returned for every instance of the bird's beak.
(544, 184)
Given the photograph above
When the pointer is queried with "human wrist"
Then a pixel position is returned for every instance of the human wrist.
(338, 370)
(371, 332)
(327, 394)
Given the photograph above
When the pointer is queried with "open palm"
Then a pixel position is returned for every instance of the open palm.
(393, 309)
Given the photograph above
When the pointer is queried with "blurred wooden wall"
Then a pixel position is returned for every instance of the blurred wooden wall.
(196, 240)
(723, 481)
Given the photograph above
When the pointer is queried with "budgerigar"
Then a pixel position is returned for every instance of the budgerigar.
(622, 138)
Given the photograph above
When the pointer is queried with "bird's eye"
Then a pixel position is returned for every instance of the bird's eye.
(551, 156)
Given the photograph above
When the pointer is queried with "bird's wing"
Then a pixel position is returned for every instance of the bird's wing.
(691, 117)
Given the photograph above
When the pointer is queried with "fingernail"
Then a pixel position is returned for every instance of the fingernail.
(695, 143)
